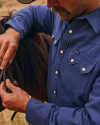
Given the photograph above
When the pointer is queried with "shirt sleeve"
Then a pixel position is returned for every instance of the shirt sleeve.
(51, 114)
(37, 17)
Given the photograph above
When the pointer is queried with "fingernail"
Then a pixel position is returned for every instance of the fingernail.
(7, 80)
(1, 67)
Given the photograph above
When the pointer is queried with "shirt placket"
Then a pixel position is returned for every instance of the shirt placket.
(62, 47)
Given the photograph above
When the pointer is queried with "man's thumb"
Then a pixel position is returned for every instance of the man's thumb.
(9, 85)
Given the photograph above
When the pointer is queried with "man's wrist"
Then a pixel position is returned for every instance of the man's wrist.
(15, 32)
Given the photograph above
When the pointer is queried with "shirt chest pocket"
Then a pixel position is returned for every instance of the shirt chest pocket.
(77, 72)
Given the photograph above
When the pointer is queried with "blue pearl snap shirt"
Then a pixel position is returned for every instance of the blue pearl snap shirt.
(74, 66)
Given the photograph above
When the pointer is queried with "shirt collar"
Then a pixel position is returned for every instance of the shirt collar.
(94, 19)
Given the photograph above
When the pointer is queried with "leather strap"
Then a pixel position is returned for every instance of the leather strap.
(7, 73)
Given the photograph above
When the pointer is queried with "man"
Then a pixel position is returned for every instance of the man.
(74, 62)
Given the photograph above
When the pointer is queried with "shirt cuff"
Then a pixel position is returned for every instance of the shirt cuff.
(17, 27)
(37, 112)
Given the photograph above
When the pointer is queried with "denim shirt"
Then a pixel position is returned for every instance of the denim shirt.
(74, 67)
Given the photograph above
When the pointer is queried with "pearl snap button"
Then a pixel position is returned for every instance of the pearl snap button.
(72, 60)
(61, 51)
(54, 92)
(55, 41)
(83, 69)
(56, 72)
(53, 36)
(70, 31)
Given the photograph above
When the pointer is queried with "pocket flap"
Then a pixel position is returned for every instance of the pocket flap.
(81, 62)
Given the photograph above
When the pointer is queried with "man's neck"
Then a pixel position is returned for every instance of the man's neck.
(93, 6)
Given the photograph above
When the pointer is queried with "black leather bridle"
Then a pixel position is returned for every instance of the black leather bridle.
(6, 73)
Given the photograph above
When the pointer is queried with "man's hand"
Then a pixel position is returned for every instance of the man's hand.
(8, 46)
(17, 100)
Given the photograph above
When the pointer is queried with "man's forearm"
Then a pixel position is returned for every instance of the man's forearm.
(32, 18)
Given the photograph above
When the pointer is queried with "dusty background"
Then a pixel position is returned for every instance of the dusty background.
(5, 116)
(6, 5)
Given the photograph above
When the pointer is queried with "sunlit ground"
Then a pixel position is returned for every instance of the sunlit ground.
(5, 118)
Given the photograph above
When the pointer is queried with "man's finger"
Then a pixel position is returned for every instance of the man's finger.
(1, 40)
(7, 56)
(2, 89)
(2, 85)
(10, 86)
(12, 57)
(2, 52)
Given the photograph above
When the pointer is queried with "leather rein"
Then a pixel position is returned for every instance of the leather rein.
(6, 73)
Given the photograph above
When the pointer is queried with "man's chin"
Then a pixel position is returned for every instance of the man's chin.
(64, 18)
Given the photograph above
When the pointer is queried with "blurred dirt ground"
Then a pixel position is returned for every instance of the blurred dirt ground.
(5, 116)
(6, 5)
